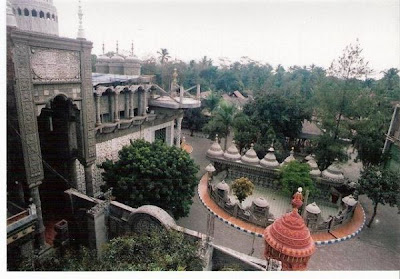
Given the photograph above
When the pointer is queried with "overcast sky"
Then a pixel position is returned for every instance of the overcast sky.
(277, 32)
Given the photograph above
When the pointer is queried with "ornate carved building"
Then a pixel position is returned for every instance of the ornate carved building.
(63, 120)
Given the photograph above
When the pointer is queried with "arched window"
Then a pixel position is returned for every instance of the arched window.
(53, 17)
(41, 14)
(19, 11)
(34, 13)
(48, 15)
(26, 12)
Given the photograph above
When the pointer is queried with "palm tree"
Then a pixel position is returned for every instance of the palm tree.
(222, 121)
(164, 55)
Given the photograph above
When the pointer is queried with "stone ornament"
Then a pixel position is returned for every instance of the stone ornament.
(49, 65)
(290, 158)
(313, 208)
(333, 173)
(251, 156)
(215, 150)
(349, 200)
(232, 153)
(314, 167)
(269, 160)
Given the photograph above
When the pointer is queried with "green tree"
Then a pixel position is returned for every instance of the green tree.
(327, 149)
(380, 185)
(169, 251)
(194, 119)
(242, 188)
(152, 173)
(221, 122)
(163, 56)
(212, 101)
(295, 175)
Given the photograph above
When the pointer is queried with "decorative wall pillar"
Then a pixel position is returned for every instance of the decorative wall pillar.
(97, 101)
(131, 110)
(181, 94)
(198, 92)
(34, 192)
(111, 106)
(89, 180)
(116, 107)
(127, 105)
(178, 131)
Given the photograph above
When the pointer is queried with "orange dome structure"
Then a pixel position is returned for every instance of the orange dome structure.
(289, 240)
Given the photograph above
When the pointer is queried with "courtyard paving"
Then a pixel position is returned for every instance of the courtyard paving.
(375, 248)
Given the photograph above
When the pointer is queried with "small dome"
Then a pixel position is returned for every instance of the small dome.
(210, 168)
(349, 200)
(309, 157)
(215, 150)
(260, 202)
(250, 157)
(333, 173)
(103, 58)
(314, 167)
(290, 158)
(313, 208)
(117, 58)
(132, 59)
(222, 186)
(232, 153)
(269, 160)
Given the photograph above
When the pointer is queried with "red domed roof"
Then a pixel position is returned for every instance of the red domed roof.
(290, 236)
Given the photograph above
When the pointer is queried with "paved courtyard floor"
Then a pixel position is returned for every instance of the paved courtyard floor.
(375, 248)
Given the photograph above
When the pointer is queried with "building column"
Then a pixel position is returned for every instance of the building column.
(130, 96)
(178, 131)
(34, 192)
(116, 108)
(144, 100)
(111, 106)
(126, 98)
(89, 180)
(97, 101)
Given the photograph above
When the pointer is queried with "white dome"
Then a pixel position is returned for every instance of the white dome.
(223, 186)
(290, 158)
(215, 150)
(333, 173)
(250, 157)
(117, 58)
(313, 208)
(232, 153)
(349, 200)
(132, 59)
(314, 168)
(269, 160)
(260, 202)
(103, 58)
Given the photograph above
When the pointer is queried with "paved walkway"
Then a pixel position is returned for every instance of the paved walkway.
(375, 248)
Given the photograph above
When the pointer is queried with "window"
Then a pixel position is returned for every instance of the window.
(52, 17)
(48, 15)
(26, 12)
(121, 114)
(41, 14)
(135, 112)
(105, 117)
(34, 13)
(19, 11)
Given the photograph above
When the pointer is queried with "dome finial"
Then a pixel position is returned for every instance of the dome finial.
(103, 47)
(117, 47)
(132, 48)
(81, 32)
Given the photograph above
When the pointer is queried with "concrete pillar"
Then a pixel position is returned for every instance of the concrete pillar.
(198, 92)
(97, 230)
(131, 111)
(181, 95)
(112, 106)
(144, 100)
(89, 180)
(116, 107)
(178, 131)
(97, 101)
(126, 97)
(34, 192)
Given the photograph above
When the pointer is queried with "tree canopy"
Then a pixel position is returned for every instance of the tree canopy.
(242, 188)
(295, 175)
(380, 185)
(152, 173)
(169, 251)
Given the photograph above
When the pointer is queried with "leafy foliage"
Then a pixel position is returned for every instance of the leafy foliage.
(242, 188)
(295, 175)
(380, 185)
(168, 251)
(152, 173)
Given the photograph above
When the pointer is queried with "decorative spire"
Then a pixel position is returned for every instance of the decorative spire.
(81, 32)
(11, 20)
(132, 48)
(103, 47)
(117, 46)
